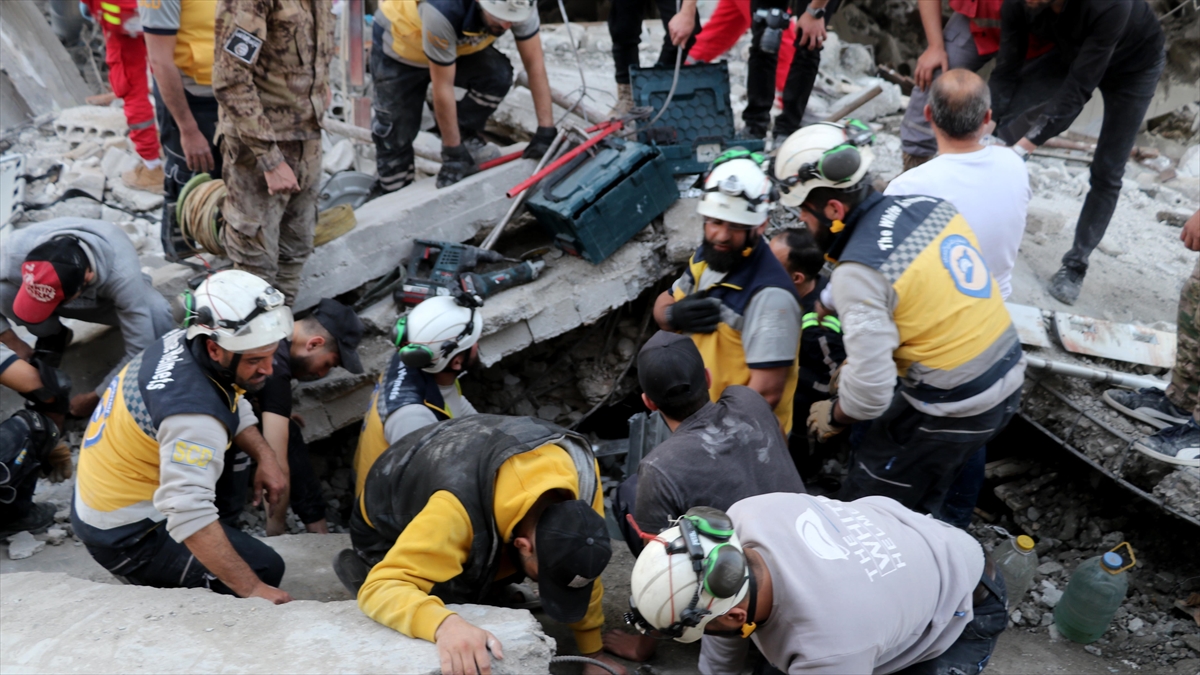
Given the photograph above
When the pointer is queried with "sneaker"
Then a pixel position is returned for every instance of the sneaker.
(147, 180)
(350, 570)
(1179, 444)
(1065, 285)
(39, 519)
(624, 101)
(481, 151)
(1149, 405)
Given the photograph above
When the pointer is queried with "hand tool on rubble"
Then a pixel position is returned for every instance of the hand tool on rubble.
(606, 129)
(438, 268)
(857, 103)
(494, 235)
(1093, 374)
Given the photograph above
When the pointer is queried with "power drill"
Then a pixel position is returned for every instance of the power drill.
(438, 267)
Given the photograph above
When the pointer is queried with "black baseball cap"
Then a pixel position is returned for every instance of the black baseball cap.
(345, 327)
(572, 550)
(670, 369)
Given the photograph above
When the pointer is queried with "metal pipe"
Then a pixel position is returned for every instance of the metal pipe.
(1093, 374)
(529, 182)
(855, 104)
(494, 235)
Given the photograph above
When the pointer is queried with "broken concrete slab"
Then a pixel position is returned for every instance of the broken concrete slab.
(309, 559)
(387, 226)
(39, 76)
(54, 623)
(135, 200)
(90, 123)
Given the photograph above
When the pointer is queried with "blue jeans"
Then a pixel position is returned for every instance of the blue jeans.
(970, 653)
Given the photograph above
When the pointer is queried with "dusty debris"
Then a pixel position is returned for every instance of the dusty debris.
(22, 545)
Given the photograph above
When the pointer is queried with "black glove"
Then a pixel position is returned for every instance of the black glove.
(694, 314)
(540, 143)
(457, 164)
(54, 396)
(49, 349)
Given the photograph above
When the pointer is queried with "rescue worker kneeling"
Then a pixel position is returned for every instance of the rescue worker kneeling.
(458, 509)
(153, 451)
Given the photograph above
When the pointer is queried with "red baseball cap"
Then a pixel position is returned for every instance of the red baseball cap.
(52, 272)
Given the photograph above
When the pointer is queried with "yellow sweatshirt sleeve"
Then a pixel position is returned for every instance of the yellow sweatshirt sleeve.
(432, 549)
(587, 631)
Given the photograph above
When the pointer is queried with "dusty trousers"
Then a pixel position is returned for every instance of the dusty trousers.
(268, 235)
(1185, 377)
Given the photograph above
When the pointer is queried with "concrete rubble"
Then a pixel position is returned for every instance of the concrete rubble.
(22, 545)
(55, 623)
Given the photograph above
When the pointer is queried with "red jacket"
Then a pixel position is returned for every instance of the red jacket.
(985, 27)
(116, 14)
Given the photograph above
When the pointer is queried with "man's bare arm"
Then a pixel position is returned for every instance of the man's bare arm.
(161, 50)
(445, 106)
(660, 310)
(212, 548)
(769, 382)
(534, 59)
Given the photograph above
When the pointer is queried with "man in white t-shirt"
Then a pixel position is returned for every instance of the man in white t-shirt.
(988, 184)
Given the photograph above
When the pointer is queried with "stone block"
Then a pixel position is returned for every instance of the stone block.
(684, 228)
(116, 162)
(509, 340)
(87, 179)
(553, 317)
(22, 545)
(135, 200)
(1044, 217)
(54, 623)
(90, 123)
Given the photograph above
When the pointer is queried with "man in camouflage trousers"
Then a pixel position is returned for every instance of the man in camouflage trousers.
(271, 79)
(1177, 411)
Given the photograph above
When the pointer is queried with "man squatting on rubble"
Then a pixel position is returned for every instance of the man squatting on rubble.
(989, 185)
(152, 453)
(82, 269)
(271, 81)
(821, 586)
(734, 299)
(30, 444)
(969, 40)
(180, 38)
(436, 344)
(717, 454)
(917, 302)
(326, 338)
(478, 502)
(1116, 46)
(1178, 438)
(449, 43)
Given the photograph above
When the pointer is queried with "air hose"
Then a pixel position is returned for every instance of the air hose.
(584, 660)
(674, 80)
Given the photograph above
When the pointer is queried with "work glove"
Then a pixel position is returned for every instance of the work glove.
(540, 143)
(457, 164)
(694, 314)
(820, 421)
(834, 378)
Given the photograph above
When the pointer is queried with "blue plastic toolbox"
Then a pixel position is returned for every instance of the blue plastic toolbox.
(698, 124)
(594, 204)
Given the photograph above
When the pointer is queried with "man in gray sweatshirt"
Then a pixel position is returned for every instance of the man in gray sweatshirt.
(822, 586)
(78, 269)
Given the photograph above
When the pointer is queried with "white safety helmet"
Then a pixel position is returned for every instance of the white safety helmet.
(240, 311)
(668, 596)
(435, 331)
(512, 11)
(736, 191)
(822, 155)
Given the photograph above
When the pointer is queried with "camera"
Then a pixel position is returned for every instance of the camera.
(776, 20)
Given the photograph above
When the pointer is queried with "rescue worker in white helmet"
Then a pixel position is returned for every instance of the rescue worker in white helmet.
(734, 299)
(916, 302)
(821, 586)
(154, 448)
(437, 342)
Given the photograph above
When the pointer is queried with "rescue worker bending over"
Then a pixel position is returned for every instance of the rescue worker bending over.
(735, 299)
(464, 507)
(821, 586)
(449, 43)
(154, 448)
(437, 344)
(917, 301)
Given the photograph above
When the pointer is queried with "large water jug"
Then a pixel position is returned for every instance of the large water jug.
(1017, 563)
(1096, 591)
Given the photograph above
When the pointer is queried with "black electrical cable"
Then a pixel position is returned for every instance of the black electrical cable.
(584, 660)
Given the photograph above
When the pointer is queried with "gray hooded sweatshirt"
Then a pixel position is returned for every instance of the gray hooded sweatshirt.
(120, 295)
(858, 587)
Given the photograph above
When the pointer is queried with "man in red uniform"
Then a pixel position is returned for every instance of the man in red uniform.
(970, 39)
(125, 53)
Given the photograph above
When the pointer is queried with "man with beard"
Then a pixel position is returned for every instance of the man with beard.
(918, 303)
(326, 338)
(151, 455)
(448, 44)
(734, 299)
(436, 343)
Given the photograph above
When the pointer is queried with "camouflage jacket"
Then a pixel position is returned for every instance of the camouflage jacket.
(271, 71)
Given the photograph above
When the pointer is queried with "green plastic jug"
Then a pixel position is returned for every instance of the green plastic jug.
(1095, 592)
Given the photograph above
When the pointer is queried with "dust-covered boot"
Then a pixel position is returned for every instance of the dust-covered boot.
(1066, 284)
(141, 178)
(624, 101)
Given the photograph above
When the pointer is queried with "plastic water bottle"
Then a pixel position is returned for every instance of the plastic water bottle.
(1017, 563)
(1093, 596)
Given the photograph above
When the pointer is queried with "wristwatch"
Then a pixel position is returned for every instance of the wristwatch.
(816, 12)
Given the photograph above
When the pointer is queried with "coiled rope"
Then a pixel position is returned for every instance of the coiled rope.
(198, 214)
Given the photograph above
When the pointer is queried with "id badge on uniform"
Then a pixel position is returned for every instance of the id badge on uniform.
(243, 46)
